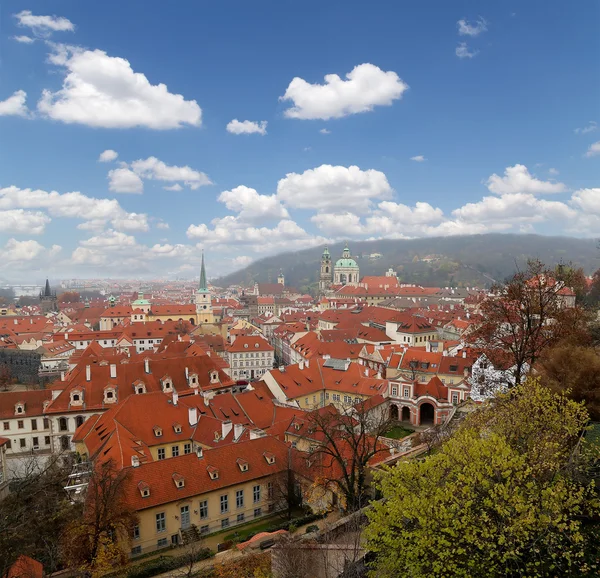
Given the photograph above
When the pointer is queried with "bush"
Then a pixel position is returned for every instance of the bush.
(165, 564)
(312, 528)
(292, 528)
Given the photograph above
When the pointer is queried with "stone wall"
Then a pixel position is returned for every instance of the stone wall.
(23, 365)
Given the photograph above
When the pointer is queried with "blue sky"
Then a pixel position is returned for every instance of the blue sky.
(445, 118)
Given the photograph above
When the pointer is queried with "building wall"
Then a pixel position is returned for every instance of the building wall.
(250, 365)
(23, 365)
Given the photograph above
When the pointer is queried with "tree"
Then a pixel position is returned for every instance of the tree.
(69, 297)
(524, 317)
(5, 377)
(183, 327)
(97, 541)
(346, 445)
(509, 494)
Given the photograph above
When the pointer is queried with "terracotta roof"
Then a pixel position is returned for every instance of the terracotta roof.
(25, 567)
(33, 400)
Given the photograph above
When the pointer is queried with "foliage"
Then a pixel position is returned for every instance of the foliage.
(507, 495)
(69, 297)
(249, 566)
(398, 432)
(97, 541)
(312, 528)
(165, 564)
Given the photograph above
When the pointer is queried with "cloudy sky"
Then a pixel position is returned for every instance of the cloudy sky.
(135, 134)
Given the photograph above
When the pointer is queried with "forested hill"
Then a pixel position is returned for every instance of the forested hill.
(466, 260)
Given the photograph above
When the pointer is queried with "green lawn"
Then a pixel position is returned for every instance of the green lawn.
(398, 432)
(251, 529)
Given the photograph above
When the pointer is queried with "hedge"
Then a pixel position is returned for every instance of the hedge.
(166, 563)
(296, 522)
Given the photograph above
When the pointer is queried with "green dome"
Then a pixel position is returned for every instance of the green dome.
(346, 263)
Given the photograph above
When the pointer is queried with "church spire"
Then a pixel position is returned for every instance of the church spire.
(203, 285)
(47, 291)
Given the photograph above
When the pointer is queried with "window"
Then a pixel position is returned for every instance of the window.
(46, 423)
(22, 442)
(204, 529)
(136, 533)
(174, 451)
(239, 499)
(161, 453)
(240, 517)
(136, 550)
(6, 425)
(256, 494)
(257, 512)
(336, 397)
(224, 503)
(36, 442)
(34, 424)
(406, 392)
(394, 390)
(47, 440)
(20, 424)
(187, 448)
(225, 523)
(79, 420)
(8, 444)
(204, 509)
(162, 543)
(161, 522)
(62, 424)
(270, 490)
(455, 398)
(347, 399)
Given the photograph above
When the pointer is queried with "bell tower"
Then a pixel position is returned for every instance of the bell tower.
(326, 274)
(204, 312)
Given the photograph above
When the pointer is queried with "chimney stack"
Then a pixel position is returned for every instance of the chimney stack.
(175, 397)
(226, 427)
(113, 370)
(187, 373)
(62, 375)
(88, 373)
(301, 365)
(193, 416)
(238, 429)
(147, 365)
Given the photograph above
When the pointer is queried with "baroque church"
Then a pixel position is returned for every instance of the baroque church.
(344, 272)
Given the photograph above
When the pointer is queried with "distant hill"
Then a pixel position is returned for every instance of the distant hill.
(458, 261)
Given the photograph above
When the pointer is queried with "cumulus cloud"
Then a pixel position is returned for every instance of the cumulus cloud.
(594, 150)
(518, 179)
(155, 169)
(103, 91)
(176, 187)
(466, 28)
(162, 225)
(591, 126)
(463, 51)
(418, 158)
(241, 261)
(14, 105)
(252, 207)
(365, 87)
(587, 200)
(247, 127)
(24, 39)
(19, 221)
(325, 131)
(553, 171)
(328, 187)
(108, 156)
(124, 180)
(43, 25)
(24, 254)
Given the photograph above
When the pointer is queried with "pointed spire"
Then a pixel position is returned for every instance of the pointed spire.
(203, 285)
(47, 291)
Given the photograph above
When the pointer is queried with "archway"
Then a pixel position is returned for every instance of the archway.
(426, 414)
(393, 412)
(406, 414)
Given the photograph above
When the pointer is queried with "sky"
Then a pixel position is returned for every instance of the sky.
(135, 135)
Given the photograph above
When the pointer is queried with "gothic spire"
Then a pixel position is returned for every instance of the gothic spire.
(203, 285)
(47, 291)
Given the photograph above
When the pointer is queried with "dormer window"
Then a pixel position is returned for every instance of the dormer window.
(110, 395)
(297, 426)
(193, 381)
(167, 384)
(256, 345)
(19, 408)
(139, 387)
(242, 464)
(177, 428)
(246, 345)
(269, 457)
(144, 489)
(179, 480)
(214, 377)
(213, 472)
(157, 431)
(76, 397)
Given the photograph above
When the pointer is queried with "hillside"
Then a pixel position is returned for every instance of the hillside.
(467, 260)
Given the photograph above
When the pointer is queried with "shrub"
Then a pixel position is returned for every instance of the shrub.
(312, 528)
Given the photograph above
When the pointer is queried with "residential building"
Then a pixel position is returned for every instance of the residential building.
(250, 357)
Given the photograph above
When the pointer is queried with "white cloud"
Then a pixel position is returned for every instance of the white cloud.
(247, 127)
(366, 86)
(162, 225)
(44, 25)
(176, 187)
(124, 180)
(591, 126)
(110, 238)
(22, 254)
(338, 224)
(418, 158)
(325, 131)
(73, 205)
(465, 28)
(242, 261)
(333, 187)
(518, 179)
(20, 221)
(155, 169)
(553, 171)
(14, 105)
(108, 156)
(252, 207)
(594, 150)
(131, 222)
(24, 39)
(103, 91)
(462, 51)
(587, 200)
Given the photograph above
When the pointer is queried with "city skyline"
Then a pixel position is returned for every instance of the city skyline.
(132, 143)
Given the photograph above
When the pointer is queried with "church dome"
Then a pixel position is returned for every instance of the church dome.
(346, 263)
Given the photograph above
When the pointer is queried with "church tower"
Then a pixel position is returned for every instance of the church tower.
(204, 312)
(48, 301)
(326, 275)
(281, 278)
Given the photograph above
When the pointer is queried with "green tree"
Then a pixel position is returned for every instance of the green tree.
(507, 495)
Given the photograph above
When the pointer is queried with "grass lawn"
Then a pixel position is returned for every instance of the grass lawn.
(251, 529)
(398, 432)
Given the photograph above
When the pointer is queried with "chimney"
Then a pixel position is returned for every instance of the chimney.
(199, 452)
(366, 372)
(282, 368)
(62, 375)
(464, 353)
(226, 427)
(147, 365)
(113, 370)
(307, 363)
(88, 373)
(135, 461)
(175, 398)
(192, 416)
(301, 365)
(238, 429)
(187, 373)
